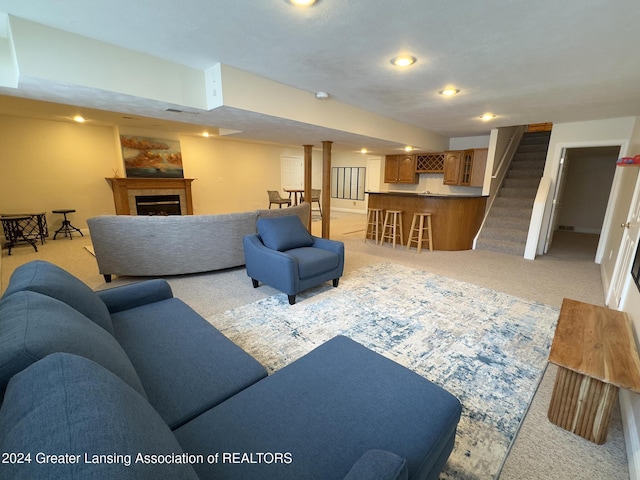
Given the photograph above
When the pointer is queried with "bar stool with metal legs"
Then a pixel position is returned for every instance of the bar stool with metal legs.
(416, 234)
(392, 227)
(66, 227)
(374, 224)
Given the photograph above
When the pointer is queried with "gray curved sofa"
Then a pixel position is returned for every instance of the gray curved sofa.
(177, 244)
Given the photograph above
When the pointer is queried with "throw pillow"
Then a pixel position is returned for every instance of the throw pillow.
(283, 233)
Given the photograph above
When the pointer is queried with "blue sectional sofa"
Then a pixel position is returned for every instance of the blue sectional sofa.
(131, 383)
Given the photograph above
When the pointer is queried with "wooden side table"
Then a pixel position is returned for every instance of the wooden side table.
(596, 354)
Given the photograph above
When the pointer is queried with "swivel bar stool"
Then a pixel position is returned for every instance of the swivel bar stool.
(66, 227)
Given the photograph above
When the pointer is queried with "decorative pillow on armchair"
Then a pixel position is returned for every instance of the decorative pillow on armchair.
(283, 233)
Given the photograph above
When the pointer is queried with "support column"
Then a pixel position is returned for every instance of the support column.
(308, 150)
(326, 188)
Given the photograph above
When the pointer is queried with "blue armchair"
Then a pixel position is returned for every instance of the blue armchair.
(287, 257)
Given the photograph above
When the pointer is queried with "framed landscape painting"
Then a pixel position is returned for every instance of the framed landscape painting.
(146, 157)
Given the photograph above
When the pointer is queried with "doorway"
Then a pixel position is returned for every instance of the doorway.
(582, 196)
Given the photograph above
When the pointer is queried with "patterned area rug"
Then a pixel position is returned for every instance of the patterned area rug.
(487, 348)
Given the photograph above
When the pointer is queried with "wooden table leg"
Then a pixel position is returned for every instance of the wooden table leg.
(582, 405)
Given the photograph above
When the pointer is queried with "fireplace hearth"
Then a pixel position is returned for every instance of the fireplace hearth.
(158, 205)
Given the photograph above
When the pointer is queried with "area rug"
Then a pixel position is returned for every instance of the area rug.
(487, 348)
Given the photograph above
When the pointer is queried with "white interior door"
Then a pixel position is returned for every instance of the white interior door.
(373, 174)
(631, 233)
(292, 172)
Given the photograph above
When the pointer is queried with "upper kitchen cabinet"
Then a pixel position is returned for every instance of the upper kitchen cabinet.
(465, 167)
(452, 166)
(400, 169)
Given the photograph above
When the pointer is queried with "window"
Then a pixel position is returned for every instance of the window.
(348, 182)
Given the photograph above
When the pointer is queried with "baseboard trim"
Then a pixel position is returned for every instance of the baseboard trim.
(631, 437)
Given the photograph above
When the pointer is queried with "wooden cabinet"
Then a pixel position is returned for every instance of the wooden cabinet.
(452, 164)
(465, 167)
(400, 169)
(479, 167)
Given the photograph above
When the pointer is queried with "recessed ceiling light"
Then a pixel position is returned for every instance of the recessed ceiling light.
(408, 148)
(487, 116)
(364, 150)
(449, 91)
(79, 119)
(403, 60)
(206, 134)
(302, 3)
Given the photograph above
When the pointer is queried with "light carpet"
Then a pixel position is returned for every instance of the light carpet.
(487, 348)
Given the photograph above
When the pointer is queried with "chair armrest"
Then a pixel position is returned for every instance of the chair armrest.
(333, 246)
(272, 267)
(136, 294)
(379, 465)
(326, 244)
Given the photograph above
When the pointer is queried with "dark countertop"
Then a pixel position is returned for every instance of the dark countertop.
(424, 194)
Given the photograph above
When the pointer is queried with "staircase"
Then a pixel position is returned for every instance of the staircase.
(507, 224)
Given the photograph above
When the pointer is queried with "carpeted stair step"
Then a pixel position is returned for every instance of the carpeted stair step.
(507, 222)
(510, 210)
(513, 202)
(533, 148)
(535, 174)
(501, 246)
(521, 182)
(518, 192)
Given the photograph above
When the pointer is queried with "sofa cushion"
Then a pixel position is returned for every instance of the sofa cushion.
(326, 410)
(185, 365)
(314, 261)
(49, 279)
(33, 326)
(70, 407)
(283, 233)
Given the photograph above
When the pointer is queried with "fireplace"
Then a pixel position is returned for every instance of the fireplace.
(158, 205)
(127, 190)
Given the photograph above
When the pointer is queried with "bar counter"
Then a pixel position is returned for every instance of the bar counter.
(455, 219)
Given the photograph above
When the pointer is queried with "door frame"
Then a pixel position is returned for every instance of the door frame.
(561, 148)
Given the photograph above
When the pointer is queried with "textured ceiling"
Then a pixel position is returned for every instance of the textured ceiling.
(524, 61)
